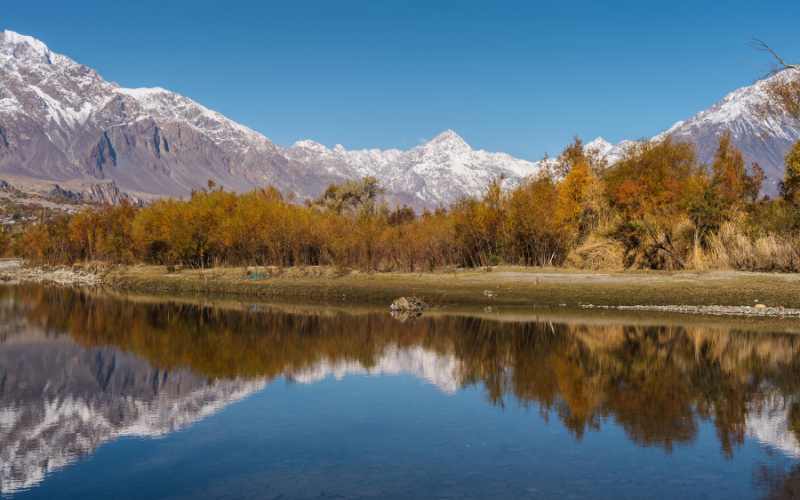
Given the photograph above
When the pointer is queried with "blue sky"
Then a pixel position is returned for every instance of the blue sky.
(520, 77)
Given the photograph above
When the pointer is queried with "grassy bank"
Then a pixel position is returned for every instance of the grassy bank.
(508, 286)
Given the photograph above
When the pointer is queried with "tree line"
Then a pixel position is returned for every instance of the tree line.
(657, 208)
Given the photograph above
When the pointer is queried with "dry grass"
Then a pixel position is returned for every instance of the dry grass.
(597, 253)
(731, 248)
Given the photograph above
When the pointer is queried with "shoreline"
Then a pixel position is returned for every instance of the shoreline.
(679, 292)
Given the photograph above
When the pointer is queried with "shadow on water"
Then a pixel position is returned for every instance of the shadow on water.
(80, 369)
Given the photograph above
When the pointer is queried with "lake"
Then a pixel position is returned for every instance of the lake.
(108, 396)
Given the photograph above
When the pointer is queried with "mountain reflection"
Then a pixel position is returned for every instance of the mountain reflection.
(79, 369)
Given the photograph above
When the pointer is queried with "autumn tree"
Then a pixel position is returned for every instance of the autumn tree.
(790, 187)
(649, 189)
(534, 231)
(727, 190)
(479, 226)
(46, 242)
(401, 215)
(729, 177)
(572, 155)
(578, 206)
(351, 196)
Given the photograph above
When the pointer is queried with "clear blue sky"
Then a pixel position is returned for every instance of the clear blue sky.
(521, 77)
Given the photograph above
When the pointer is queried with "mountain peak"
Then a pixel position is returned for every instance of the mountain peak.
(12, 37)
(11, 40)
(599, 144)
(450, 139)
(311, 145)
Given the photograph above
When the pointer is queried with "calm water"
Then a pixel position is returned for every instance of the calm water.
(103, 397)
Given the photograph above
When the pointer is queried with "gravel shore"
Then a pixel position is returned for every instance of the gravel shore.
(13, 271)
(713, 310)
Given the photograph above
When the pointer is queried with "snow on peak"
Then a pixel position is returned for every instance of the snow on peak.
(11, 42)
(143, 92)
(312, 145)
(450, 139)
(606, 150)
(745, 105)
(14, 38)
(600, 145)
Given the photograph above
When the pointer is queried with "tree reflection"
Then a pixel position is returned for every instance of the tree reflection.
(657, 382)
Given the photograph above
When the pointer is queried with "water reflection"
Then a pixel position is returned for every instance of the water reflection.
(79, 369)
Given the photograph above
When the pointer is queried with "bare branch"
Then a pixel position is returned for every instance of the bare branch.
(762, 46)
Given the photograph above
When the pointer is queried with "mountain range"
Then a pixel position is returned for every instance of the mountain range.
(62, 124)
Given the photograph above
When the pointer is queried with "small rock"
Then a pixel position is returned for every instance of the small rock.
(760, 306)
(414, 304)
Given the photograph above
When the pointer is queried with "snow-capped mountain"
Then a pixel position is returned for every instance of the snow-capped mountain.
(434, 173)
(60, 121)
(763, 133)
(610, 152)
